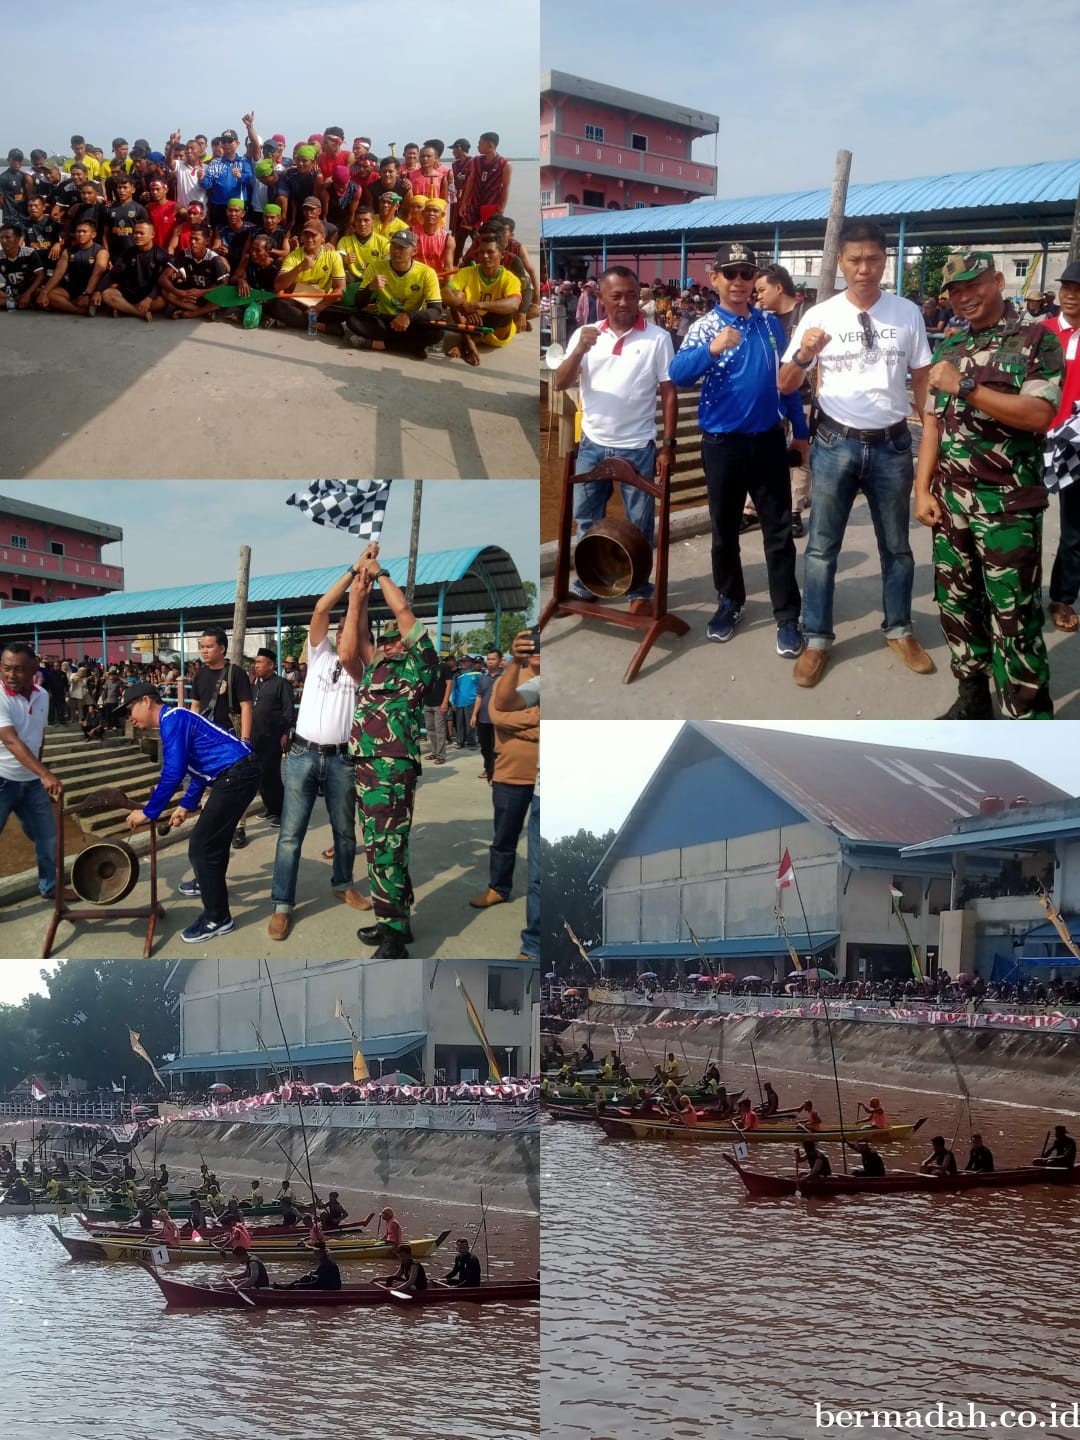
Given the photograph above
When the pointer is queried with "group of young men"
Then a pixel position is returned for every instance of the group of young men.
(773, 373)
(401, 254)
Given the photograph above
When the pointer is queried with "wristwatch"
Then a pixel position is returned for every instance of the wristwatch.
(668, 444)
(967, 384)
(380, 573)
(802, 364)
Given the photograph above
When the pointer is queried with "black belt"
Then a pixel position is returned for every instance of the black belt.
(320, 749)
(864, 437)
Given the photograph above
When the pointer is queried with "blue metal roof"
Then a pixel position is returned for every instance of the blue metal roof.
(1009, 187)
(438, 567)
(999, 837)
(751, 947)
(378, 1047)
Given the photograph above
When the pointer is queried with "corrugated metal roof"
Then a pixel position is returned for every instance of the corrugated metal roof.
(1009, 187)
(458, 569)
(751, 947)
(999, 837)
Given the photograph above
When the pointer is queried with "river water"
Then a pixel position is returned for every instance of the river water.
(675, 1306)
(88, 1349)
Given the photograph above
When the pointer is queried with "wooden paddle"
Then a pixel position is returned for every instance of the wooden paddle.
(243, 1294)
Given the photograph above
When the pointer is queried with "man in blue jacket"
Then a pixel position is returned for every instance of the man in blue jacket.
(214, 759)
(735, 352)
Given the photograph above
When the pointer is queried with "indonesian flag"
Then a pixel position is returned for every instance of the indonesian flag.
(37, 1089)
(786, 874)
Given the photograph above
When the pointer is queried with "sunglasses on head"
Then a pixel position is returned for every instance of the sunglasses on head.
(867, 330)
(335, 674)
(737, 272)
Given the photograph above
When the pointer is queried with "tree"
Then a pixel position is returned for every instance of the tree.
(293, 641)
(18, 1046)
(935, 255)
(566, 894)
(511, 623)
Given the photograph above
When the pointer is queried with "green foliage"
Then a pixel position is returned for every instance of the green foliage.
(293, 641)
(565, 894)
(80, 1028)
(482, 639)
(936, 255)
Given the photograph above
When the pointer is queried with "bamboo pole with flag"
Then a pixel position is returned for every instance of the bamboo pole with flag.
(478, 1025)
(359, 1064)
(137, 1046)
(896, 896)
(1053, 914)
(786, 876)
(698, 947)
(580, 947)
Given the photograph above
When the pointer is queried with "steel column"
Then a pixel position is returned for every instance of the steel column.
(900, 255)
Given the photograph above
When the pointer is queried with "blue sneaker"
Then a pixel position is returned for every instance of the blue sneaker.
(722, 625)
(189, 889)
(790, 641)
(204, 929)
(579, 592)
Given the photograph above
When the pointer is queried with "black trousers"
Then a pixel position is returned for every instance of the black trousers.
(295, 316)
(269, 754)
(486, 732)
(208, 849)
(511, 804)
(1065, 574)
(413, 341)
(737, 465)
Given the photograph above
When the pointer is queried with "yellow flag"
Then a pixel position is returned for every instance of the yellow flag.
(133, 1035)
(359, 1065)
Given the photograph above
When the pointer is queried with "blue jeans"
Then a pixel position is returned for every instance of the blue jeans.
(305, 771)
(530, 936)
(884, 473)
(28, 800)
(511, 804)
(590, 500)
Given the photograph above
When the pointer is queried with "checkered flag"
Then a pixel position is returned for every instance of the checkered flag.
(358, 506)
(1062, 454)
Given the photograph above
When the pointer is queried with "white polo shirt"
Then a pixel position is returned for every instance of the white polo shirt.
(327, 703)
(865, 385)
(28, 719)
(619, 380)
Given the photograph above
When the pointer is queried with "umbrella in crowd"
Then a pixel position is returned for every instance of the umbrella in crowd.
(219, 1089)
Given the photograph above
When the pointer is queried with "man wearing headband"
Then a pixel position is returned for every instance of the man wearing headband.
(387, 220)
(435, 244)
(298, 183)
(273, 232)
(398, 299)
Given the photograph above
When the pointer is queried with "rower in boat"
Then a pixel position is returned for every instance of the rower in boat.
(19, 1193)
(771, 1102)
(215, 1200)
(163, 1177)
(686, 1112)
(170, 1231)
(285, 1193)
(410, 1275)
(145, 1218)
(712, 1080)
(253, 1276)
(239, 1236)
(747, 1117)
(325, 1276)
(204, 1175)
(817, 1160)
(941, 1160)
(393, 1229)
(587, 1057)
(289, 1213)
(232, 1214)
(980, 1157)
(466, 1269)
(566, 1073)
(808, 1117)
(671, 1067)
(52, 1191)
(607, 1070)
(1062, 1152)
(872, 1162)
(129, 1171)
(196, 1220)
(255, 1197)
(875, 1113)
(334, 1213)
(60, 1168)
(578, 1089)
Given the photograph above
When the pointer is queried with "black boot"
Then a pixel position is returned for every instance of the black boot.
(973, 702)
(376, 934)
(392, 947)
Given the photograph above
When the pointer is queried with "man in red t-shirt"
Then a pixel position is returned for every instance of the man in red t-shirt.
(1065, 575)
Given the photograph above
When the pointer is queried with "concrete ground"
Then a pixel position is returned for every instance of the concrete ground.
(450, 838)
(119, 399)
(689, 677)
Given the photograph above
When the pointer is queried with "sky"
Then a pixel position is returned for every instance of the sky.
(794, 83)
(620, 758)
(375, 67)
(176, 531)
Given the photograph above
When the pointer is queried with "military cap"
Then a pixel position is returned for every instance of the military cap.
(966, 265)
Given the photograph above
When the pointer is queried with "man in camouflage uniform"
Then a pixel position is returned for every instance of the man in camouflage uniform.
(385, 743)
(979, 484)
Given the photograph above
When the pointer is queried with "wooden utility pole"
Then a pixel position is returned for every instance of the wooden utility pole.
(1074, 238)
(414, 540)
(239, 625)
(837, 202)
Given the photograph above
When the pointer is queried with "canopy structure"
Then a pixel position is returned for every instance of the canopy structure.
(450, 585)
(1006, 203)
(752, 947)
(378, 1047)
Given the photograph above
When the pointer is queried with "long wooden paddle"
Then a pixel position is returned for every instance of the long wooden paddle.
(243, 1294)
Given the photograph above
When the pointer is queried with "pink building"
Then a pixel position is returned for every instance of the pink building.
(52, 555)
(602, 148)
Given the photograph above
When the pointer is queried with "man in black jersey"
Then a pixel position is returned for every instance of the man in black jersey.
(16, 186)
(89, 206)
(42, 233)
(74, 286)
(133, 285)
(194, 271)
(22, 270)
(121, 218)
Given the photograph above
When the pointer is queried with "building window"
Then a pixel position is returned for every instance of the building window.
(639, 142)
(1020, 268)
(18, 542)
(640, 205)
(19, 592)
(545, 197)
(595, 132)
(593, 197)
(56, 547)
(504, 990)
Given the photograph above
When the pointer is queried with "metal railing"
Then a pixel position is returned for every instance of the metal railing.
(63, 1110)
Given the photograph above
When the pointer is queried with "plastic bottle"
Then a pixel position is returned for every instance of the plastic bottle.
(312, 324)
(10, 302)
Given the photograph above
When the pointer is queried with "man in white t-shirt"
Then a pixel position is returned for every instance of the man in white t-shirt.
(188, 167)
(620, 364)
(27, 787)
(318, 759)
(863, 343)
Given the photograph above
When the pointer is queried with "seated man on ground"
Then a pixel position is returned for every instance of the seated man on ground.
(397, 301)
(315, 272)
(194, 271)
(485, 294)
(74, 285)
(22, 270)
(388, 221)
(133, 284)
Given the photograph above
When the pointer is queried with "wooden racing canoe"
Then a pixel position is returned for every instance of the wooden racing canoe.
(178, 1294)
(627, 1127)
(350, 1250)
(217, 1232)
(764, 1186)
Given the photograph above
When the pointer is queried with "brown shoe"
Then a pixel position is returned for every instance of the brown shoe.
(810, 667)
(354, 898)
(912, 654)
(640, 606)
(279, 925)
(487, 897)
